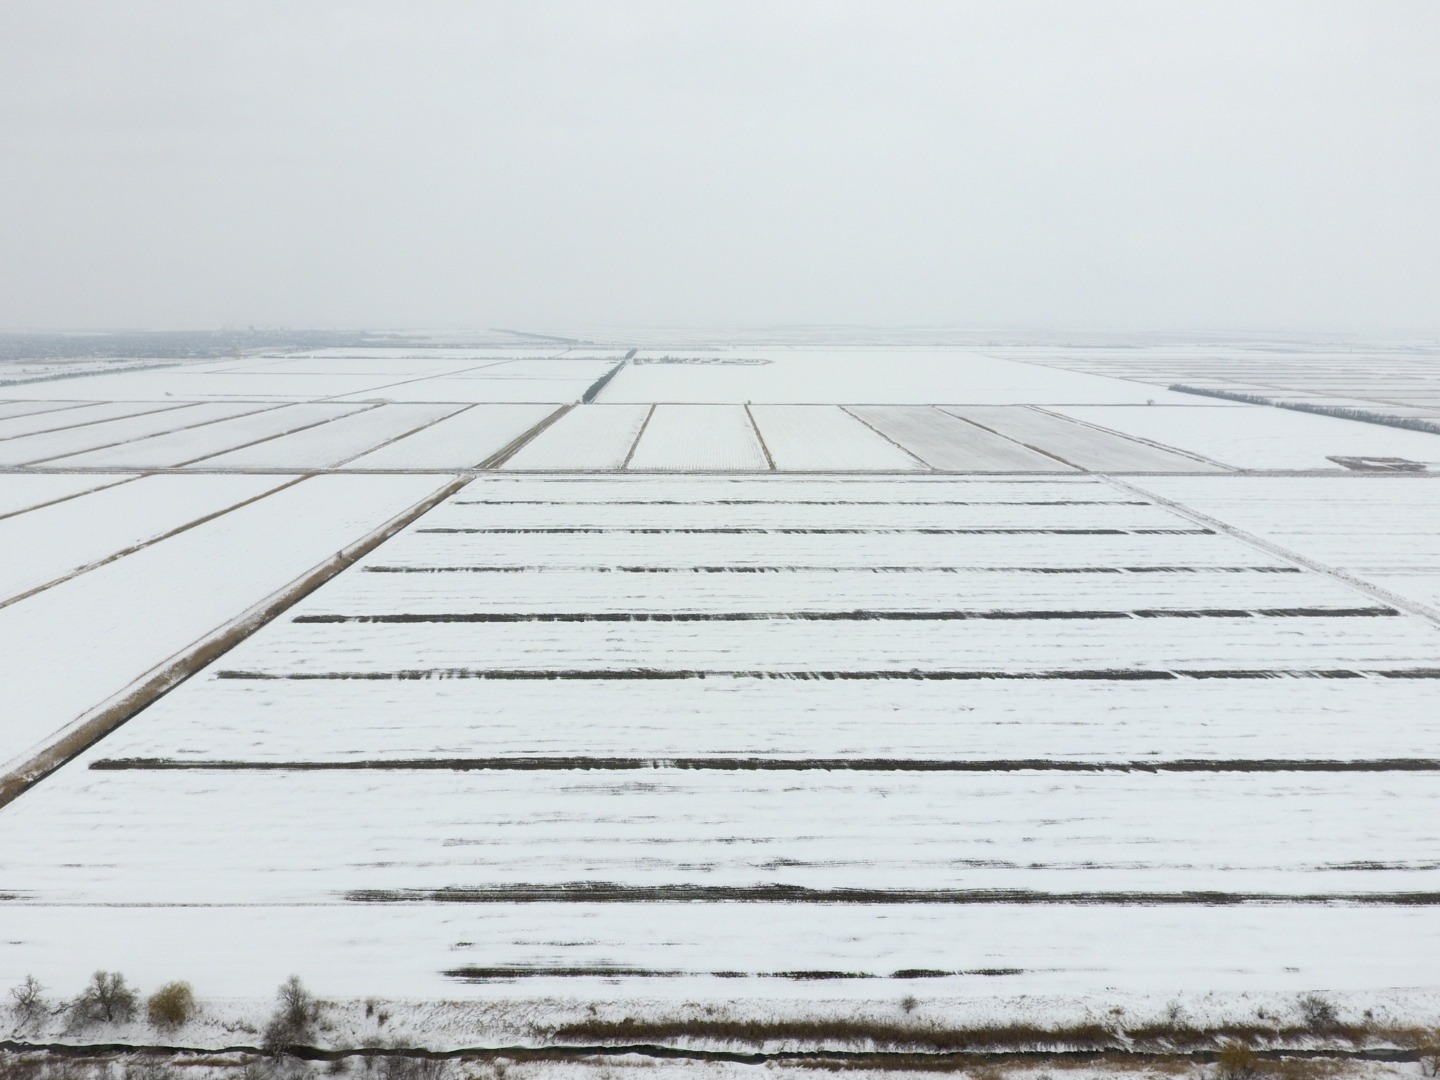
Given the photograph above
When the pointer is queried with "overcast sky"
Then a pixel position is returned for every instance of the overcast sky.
(720, 163)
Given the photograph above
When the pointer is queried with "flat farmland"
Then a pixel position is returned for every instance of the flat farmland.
(1016, 691)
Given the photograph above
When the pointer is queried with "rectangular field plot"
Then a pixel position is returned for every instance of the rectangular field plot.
(751, 959)
(950, 444)
(512, 835)
(1074, 648)
(701, 438)
(45, 446)
(874, 550)
(333, 443)
(196, 383)
(783, 743)
(1077, 444)
(192, 444)
(70, 649)
(376, 591)
(588, 437)
(465, 389)
(766, 724)
(1382, 529)
(824, 438)
(628, 489)
(461, 441)
(53, 541)
(1261, 437)
(10, 409)
(22, 491)
(75, 416)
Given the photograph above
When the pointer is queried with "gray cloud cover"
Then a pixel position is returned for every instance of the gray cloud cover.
(1255, 164)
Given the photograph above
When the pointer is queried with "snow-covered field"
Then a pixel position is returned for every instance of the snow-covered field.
(781, 681)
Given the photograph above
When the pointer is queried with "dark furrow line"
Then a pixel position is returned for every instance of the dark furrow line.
(979, 531)
(1083, 674)
(924, 1050)
(845, 616)
(478, 973)
(488, 569)
(801, 502)
(767, 764)
(759, 437)
(605, 892)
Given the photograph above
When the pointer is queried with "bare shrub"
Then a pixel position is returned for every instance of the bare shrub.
(412, 1068)
(295, 1019)
(28, 1004)
(149, 1070)
(1426, 1044)
(1236, 1061)
(18, 1067)
(106, 1000)
(1318, 1013)
(171, 1006)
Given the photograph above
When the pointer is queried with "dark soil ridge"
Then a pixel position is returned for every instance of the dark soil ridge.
(476, 973)
(900, 1059)
(605, 892)
(802, 502)
(740, 531)
(859, 615)
(558, 763)
(1090, 674)
(488, 569)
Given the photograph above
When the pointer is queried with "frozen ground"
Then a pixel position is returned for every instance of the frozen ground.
(789, 682)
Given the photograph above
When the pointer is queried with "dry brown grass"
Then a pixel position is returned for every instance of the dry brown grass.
(171, 1006)
(931, 1036)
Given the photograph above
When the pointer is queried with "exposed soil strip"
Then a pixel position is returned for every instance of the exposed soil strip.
(1079, 674)
(800, 502)
(474, 973)
(819, 532)
(925, 1051)
(606, 892)
(832, 569)
(844, 616)
(767, 764)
